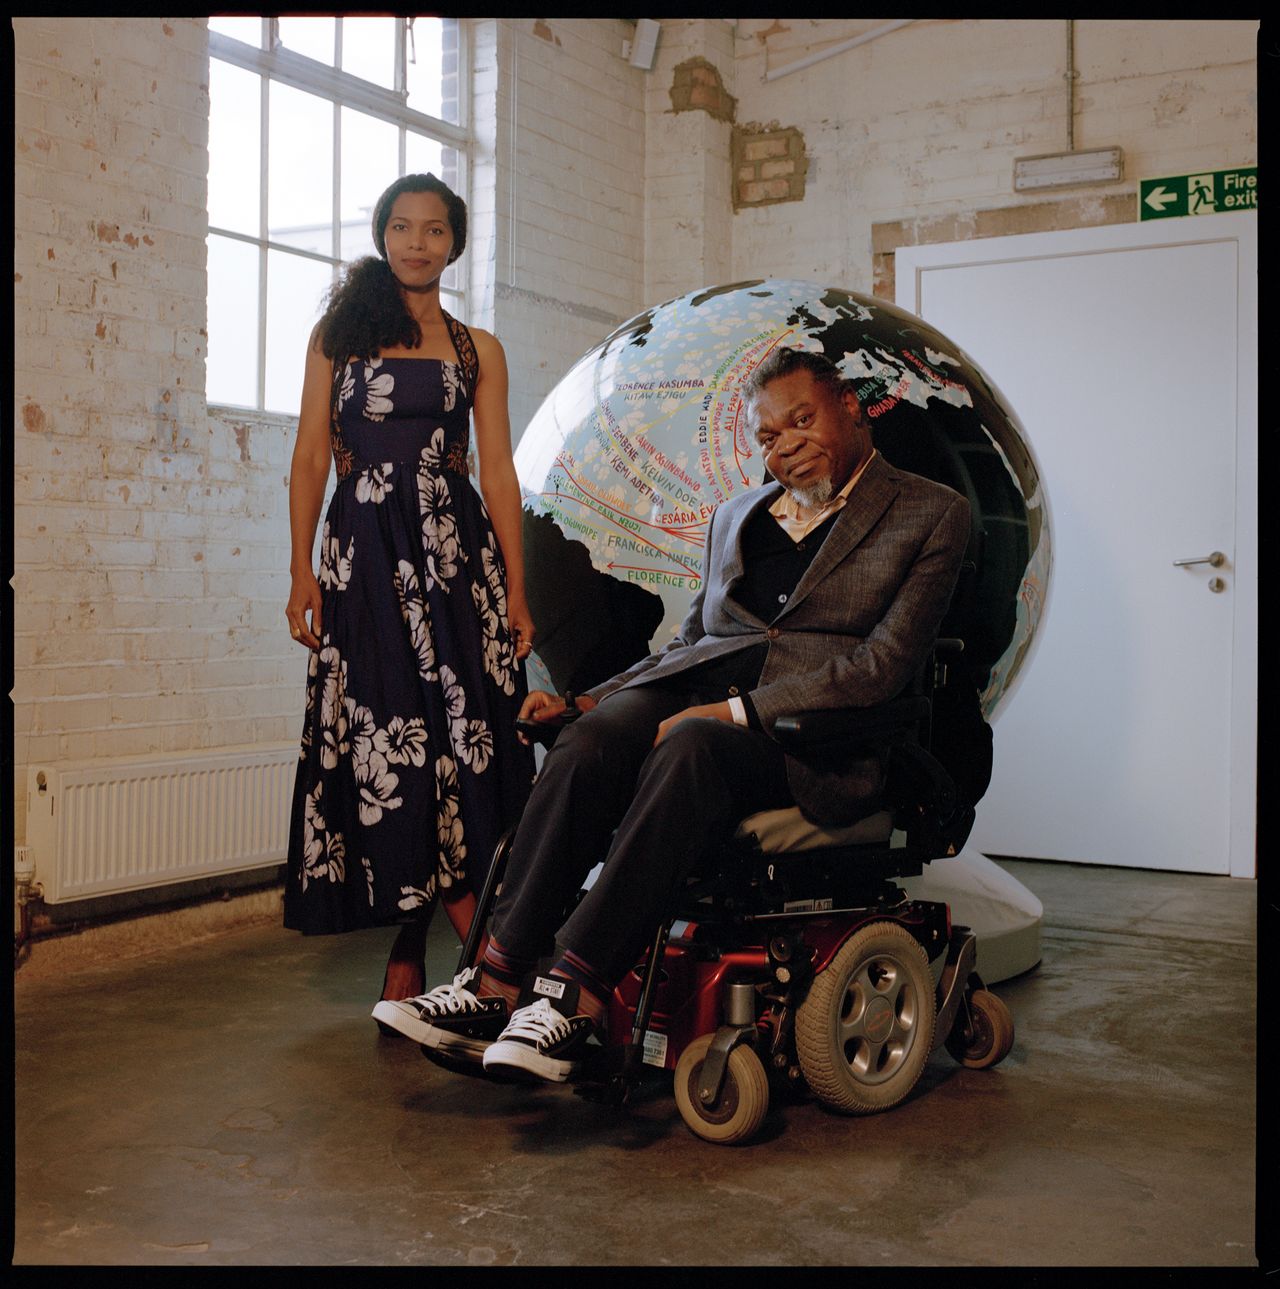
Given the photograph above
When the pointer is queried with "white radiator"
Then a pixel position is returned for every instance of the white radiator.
(99, 827)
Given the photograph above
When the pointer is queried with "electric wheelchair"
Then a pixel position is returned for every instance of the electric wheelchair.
(794, 961)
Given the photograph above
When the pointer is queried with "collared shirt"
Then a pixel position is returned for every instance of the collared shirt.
(798, 521)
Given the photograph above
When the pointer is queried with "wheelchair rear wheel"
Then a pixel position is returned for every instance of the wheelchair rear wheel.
(744, 1098)
(991, 1036)
(865, 1031)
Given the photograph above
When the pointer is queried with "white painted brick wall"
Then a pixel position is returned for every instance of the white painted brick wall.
(148, 545)
(928, 119)
(567, 139)
(688, 211)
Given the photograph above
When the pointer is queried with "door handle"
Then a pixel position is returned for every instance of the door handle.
(1217, 559)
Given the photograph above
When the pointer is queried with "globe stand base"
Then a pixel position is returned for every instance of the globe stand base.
(1001, 912)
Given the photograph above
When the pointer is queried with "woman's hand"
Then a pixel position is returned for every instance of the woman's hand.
(520, 621)
(304, 596)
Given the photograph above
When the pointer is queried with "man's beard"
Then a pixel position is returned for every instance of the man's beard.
(815, 494)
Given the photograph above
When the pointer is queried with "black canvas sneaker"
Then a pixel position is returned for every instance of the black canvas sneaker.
(448, 1018)
(546, 1039)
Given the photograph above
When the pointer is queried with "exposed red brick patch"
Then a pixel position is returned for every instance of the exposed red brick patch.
(101, 330)
(236, 551)
(43, 143)
(242, 440)
(33, 417)
(108, 232)
(53, 53)
(102, 165)
(130, 240)
(198, 556)
(168, 30)
(22, 147)
(88, 144)
(17, 277)
(49, 253)
(769, 164)
(166, 396)
(544, 32)
(697, 85)
(150, 241)
(124, 493)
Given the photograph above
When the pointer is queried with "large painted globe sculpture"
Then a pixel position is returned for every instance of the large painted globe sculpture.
(646, 434)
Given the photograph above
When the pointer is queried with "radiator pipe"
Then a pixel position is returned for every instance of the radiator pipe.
(27, 892)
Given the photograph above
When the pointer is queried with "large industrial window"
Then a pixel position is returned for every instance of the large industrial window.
(310, 118)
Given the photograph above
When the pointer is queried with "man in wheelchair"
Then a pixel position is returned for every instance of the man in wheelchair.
(823, 589)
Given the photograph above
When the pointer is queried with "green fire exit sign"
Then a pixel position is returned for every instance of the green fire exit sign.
(1207, 193)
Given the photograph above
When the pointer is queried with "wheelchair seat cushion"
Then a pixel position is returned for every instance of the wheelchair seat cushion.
(776, 832)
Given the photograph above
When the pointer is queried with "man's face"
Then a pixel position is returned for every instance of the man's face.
(811, 437)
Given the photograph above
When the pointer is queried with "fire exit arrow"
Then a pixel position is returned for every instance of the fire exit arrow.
(1159, 198)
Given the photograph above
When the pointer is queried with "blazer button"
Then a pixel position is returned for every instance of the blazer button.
(773, 633)
(733, 691)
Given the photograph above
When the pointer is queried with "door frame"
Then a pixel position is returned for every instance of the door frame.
(913, 262)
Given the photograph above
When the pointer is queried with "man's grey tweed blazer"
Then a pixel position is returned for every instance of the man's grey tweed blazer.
(854, 632)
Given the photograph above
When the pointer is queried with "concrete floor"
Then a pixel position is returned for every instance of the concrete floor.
(232, 1103)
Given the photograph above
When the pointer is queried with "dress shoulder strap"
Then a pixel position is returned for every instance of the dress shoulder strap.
(466, 350)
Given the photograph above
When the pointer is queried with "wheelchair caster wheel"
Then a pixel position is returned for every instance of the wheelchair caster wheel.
(865, 1031)
(991, 1037)
(744, 1098)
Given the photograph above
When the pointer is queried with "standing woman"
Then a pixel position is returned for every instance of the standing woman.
(410, 769)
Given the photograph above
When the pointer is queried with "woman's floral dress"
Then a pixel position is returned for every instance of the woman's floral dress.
(410, 770)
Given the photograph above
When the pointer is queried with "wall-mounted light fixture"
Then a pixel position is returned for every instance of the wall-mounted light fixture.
(1061, 169)
(639, 50)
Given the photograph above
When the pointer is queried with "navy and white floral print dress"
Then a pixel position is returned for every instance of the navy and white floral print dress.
(410, 770)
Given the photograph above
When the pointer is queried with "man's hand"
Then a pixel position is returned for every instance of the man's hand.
(716, 711)
(541, 706)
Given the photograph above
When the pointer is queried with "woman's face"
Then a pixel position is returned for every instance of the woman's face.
(418, 239)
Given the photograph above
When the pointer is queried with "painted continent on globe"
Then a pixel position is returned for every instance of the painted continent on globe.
(646, 434)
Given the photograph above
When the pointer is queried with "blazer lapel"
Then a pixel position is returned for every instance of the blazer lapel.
(869, 500)
(734, 566)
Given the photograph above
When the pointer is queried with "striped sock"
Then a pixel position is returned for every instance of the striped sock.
(502, 973)
(594, 991)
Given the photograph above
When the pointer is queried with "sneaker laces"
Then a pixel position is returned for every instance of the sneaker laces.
(453, 997)
(539, 1022)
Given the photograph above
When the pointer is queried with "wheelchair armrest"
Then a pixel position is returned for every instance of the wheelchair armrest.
(850, 726)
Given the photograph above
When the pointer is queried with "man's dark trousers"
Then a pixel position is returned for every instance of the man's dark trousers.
(669, 805)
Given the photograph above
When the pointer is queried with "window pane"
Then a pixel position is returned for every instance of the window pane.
(247, 29)
(231, 374)
(370, 161)
(452, 303)
(313, 37)
(431, 67)
(300, 169)
(369, 49)
(428, 156)
(295, 297)
(235, 114)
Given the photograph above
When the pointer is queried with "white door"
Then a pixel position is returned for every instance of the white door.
(1129, 354)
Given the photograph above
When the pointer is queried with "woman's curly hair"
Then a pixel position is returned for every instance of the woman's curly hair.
(365, 311)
